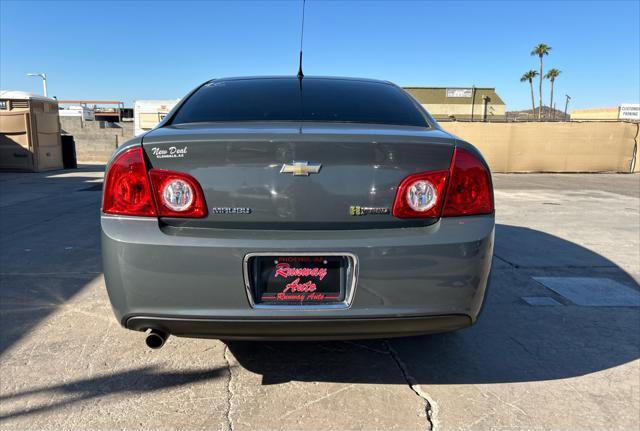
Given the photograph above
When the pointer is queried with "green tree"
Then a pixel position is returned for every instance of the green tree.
(528, 76)
(540, 50)
(551, 75)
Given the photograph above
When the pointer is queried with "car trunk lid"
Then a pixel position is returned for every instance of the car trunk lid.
(240, 168)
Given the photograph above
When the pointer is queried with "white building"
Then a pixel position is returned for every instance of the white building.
(148, 113)
(84, 112)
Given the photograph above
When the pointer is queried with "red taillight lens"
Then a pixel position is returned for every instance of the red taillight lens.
(126, 189)
(470, 191)
(465, 189)
(177, 194)
(421, 195)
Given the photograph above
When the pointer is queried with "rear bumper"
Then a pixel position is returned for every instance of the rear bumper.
(308, 329)
(190, 281)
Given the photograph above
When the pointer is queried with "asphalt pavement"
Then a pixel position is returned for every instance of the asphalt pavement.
(556, 347)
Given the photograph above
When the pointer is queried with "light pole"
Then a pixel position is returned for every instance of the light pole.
(44, 81)
(566, 104)
(473, 100)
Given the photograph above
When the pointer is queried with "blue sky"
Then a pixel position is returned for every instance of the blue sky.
(142, 50)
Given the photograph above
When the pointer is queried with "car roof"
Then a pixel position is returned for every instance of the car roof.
(305, 78)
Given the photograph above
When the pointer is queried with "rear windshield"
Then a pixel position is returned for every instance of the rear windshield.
(286, 99)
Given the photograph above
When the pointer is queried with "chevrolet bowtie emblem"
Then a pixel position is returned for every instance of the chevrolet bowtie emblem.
(300, 168)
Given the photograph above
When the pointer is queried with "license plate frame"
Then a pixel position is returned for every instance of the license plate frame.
(306, 272)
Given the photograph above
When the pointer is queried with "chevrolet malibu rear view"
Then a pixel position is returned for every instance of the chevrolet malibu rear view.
(296, 208)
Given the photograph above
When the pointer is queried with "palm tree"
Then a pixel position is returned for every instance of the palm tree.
(528, 76)
(540, 50)
(551, 75)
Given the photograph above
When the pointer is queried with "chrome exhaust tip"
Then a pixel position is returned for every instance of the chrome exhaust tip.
(155, 339)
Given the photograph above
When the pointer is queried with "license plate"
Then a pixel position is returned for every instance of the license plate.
(296, 280)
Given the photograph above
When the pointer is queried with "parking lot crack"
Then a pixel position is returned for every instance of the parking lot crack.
(317, 400)
(513, 265)
(229, 388)
(431, 408)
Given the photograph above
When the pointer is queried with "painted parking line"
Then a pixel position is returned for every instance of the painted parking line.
(540, 301)
(592, 291)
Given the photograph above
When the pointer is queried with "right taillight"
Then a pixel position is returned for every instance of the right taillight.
(464, 189)
(421, 195)
(469, 191)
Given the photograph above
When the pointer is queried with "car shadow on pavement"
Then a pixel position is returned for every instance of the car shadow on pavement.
(136, 381)
(511, 342)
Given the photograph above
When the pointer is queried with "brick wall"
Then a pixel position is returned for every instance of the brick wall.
(94, 143)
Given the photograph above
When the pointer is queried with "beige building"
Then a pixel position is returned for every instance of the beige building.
(455, 103)
(626, 111)
(595, 114)
(29, 132)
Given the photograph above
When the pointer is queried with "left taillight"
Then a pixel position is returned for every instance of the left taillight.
(177, 194)
(130, 190)
(126, 187)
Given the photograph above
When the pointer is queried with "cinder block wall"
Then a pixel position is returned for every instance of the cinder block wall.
(507, 147)
(553, 147)
(93, 143)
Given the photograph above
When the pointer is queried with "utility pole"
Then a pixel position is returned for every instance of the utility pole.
(44, 81)
(473, 100)
(485, 103)
(566, 103)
